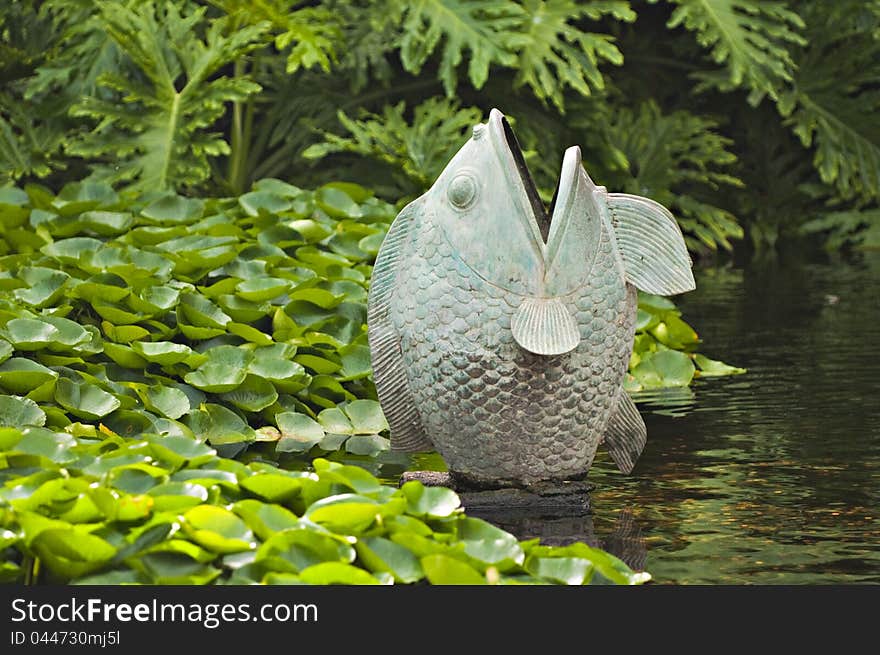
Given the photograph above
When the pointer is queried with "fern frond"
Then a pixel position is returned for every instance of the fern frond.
(834, 100)
(486, 29)
(30, 146)
(680, 160)
(556, 53)
(750, 38)
(370, 35)
(155, 120)
(856, 228)
(313, 32)
(419, 149)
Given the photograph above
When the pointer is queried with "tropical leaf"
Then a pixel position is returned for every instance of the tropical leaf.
(370, 34)
(313, 32)
(83, 52)
(833, 101)
(856, 228)
(558, 54)
(750, 38)
(485, 29)
(157, 122)
(676, 159)
(417, 149)
(31, 145)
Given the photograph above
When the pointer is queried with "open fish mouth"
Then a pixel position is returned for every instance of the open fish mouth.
(540, 218)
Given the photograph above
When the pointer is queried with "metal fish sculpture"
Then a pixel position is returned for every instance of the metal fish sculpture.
(499, 332)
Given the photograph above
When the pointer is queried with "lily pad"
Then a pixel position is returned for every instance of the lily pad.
(445, 570)
(20, 375)
(217, 529)
(298, 432)
(330, 573)
(252, 395)
(84, 400)
(380, 554)
(17, 412)
(666, 368)
(30, 333)
(434, 502)
(712, 367)
(70, 553)
(366, 416)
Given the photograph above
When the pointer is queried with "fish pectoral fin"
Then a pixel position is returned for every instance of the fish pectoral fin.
(651, 244)
(545, 327)
(626, 435)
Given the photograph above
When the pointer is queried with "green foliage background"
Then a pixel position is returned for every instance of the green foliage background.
(744, 116)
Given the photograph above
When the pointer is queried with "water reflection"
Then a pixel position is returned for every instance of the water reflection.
(624, 540)
(770, 477)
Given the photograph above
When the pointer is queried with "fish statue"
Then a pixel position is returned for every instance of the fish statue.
(500, 332)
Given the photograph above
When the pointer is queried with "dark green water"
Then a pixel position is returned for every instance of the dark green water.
(772, 477)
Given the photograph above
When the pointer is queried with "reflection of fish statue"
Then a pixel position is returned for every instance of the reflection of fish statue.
(500, 335)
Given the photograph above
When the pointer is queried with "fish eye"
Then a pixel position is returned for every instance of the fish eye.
(462, 190)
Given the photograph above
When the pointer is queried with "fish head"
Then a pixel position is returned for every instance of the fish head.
(489, 210)
(486, 204)
(579, 217)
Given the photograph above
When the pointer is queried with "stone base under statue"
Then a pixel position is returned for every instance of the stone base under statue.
(563, 498)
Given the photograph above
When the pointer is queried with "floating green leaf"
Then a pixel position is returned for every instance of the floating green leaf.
(273, 487)
(17, 412)
(298, 432)
(367, 444)
(217, 529)
(435, 502)
(164, 353)
(380, 554)
(712, 367)
(84, 400)
(366, 416)
(445, 570)
(224, 370)
(69, 553)
(329, 573)
(265, 519)
(219, 425)
(20, 375)
(30, 333)
(667, 368)
(252, 395)
(564, 570)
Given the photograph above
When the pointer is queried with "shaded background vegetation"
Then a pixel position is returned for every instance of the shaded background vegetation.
(748, 118)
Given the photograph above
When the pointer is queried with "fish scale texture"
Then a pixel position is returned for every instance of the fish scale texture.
(498, 414)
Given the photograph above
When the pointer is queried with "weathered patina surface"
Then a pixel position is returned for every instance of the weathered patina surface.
(500, 333)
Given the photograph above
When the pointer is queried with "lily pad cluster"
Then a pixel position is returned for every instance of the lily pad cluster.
(98, 508)
(663, 349)
(240, 319)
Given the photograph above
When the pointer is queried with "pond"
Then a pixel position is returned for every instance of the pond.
(772, 477)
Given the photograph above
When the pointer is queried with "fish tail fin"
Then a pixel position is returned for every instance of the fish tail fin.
(626, 434)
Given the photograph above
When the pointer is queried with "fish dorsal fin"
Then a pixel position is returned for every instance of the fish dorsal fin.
(392, 384)
(626, 435)
(545, 327)
(651, 244)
